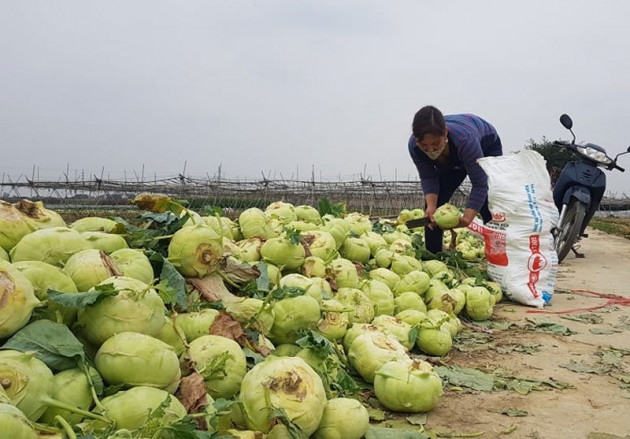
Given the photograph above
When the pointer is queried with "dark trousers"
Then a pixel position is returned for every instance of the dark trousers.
(449, 182)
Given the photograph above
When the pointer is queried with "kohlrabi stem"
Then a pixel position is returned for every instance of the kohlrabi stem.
(182, 336)
(86, 370)
(45, 428)
(262, 308)
(66, 427)
(72, 409)
(340, 354)
(226, 279)
(191, 216)
(197, 415)
(157, 238)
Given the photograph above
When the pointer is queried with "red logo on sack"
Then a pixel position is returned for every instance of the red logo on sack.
(499, 217)
(495, 244)
(535, 264)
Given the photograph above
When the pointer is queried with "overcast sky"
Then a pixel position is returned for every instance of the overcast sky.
(284, 87)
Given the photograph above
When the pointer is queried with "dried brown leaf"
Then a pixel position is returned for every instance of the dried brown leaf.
(239, 273)
(359, 266)
(192, 393)
(110, 265)
(30, 209)
(209, 288)
(226, 326)
(157, 203)
(306, 242)
(188, 364)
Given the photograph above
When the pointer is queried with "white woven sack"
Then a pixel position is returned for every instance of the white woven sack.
(519, 244)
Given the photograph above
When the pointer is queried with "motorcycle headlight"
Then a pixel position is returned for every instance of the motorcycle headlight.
(595, 155)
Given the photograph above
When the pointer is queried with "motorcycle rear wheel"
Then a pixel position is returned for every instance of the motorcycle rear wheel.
(569, 229)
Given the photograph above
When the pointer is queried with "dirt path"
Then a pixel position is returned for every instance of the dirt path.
(597, 405)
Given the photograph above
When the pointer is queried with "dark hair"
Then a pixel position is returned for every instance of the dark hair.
(428, 120)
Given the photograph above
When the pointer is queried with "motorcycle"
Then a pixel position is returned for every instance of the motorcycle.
(578, 190)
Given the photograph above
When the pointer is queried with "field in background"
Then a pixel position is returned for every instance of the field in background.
(614, 226)
(99, 197)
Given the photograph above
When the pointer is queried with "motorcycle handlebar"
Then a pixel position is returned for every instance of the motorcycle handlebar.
(620, 168)
(561, 142)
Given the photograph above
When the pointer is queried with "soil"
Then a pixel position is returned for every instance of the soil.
(597, 404)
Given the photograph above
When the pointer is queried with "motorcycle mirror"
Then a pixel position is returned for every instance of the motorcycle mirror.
(566, 121)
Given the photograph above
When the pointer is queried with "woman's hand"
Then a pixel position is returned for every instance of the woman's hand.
(465, 220)
(428, 213)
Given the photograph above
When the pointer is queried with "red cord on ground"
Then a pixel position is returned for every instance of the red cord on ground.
(612, 300)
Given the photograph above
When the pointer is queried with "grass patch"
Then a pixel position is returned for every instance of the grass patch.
(614, 226)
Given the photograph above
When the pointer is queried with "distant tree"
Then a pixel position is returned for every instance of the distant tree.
(556, 156)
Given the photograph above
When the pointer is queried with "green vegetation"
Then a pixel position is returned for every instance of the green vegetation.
(614, 226)
(555, 156)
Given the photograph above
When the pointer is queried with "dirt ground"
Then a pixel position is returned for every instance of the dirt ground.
(597, 405)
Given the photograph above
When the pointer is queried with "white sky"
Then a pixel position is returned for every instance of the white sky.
(282, 87)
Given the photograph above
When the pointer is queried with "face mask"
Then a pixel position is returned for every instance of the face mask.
(435, 154)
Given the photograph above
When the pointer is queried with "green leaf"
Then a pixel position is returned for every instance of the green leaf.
(175, 281)
(286, 292)
(166, 223)
(530, 348)
(624, 323)
(344, 384)
(591, 318)
(376, 415)
(81, 300)
(294, 430)
(293, 235)
(380, 228)
(549, 327)
(163, 219)
(393, 433)
(602, 331)
(511, 412)
(53, 343)
(587, 368)
(97, 380)
(113, 389)
(521, 385)
(325, 207)
(417, 419)
(250, 289)
(215, 369)
(159, 412)
(262, 283)
(222, 405)
(185, 428)
(593, 435)
(421, 252)
(172, 286)
(315, 341)
(155, 233)
(413, 333)
(624, 378)
(254, 357)
(213, 211)
(466, 377)
(613, 356)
